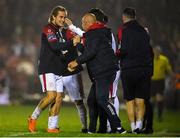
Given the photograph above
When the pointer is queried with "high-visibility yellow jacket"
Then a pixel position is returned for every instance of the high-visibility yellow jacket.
(162, 67)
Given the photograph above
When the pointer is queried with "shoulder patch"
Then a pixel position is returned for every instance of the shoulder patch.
(50, 34)
(48, 30)
(51, 37)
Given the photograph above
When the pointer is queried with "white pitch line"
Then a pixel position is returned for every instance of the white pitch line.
(22, 134)
(161, 132)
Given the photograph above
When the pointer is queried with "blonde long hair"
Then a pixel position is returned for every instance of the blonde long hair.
(55, 11)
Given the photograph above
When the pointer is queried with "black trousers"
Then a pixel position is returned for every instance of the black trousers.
(148, 116)
(98, 104)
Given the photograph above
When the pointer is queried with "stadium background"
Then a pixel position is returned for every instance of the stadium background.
(20, 29)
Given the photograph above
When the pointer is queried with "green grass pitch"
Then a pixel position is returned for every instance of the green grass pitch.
(13, 123)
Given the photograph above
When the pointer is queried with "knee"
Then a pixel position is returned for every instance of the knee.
(51, 96)
(59, 97)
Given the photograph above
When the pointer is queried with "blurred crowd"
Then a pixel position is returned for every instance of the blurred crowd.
(22, 20)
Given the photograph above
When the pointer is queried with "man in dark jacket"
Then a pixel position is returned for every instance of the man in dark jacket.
(102, 65)
(136, 64)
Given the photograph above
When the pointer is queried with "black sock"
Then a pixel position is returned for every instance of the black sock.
(160, 109)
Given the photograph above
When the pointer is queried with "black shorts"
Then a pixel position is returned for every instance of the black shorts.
(157, 87)
(136, 84)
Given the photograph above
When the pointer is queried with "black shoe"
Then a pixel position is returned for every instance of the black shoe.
(121, 130)
(147, 131)
(137, 131)
(84, 130)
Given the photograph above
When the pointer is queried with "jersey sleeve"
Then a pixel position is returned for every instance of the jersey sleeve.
(69, 34)
(53, 41)
(76, 30)
(50, 35)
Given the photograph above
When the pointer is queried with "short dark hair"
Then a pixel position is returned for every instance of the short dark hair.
(100, 16)
(130, 12)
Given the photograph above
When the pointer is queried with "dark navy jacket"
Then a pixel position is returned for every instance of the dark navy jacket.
(98, 53)
(135, 52)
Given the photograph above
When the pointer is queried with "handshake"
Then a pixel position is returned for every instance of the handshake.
(76, 39)
(72, 66)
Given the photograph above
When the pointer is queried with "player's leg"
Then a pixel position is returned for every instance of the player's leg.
(93, 109)
(115, 102)
(148, 118)
(113, 97)
(46, 80)
(159, 99)
(79, 99)
(140, 110)
(50, 97)
(129, 95)
(102, 120)
(75, 91)
(116, 105)
(130, 105)
(53, 118)
(102, 96)
(114, 92)
(82, 114)
(55, 107)
(142, 93)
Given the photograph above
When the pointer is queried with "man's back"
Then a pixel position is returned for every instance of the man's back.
(136, 50)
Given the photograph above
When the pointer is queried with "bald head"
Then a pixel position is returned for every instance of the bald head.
(88, 20)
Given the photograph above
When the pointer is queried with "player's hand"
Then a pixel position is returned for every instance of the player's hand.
(72, 66)
(76, 40)
(70, 69)
(68, 21)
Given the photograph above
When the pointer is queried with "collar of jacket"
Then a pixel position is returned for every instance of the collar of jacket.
(54, 26)
(129, 23)
(97, 26)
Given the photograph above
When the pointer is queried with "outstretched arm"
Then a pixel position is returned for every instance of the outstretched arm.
(73, 28)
